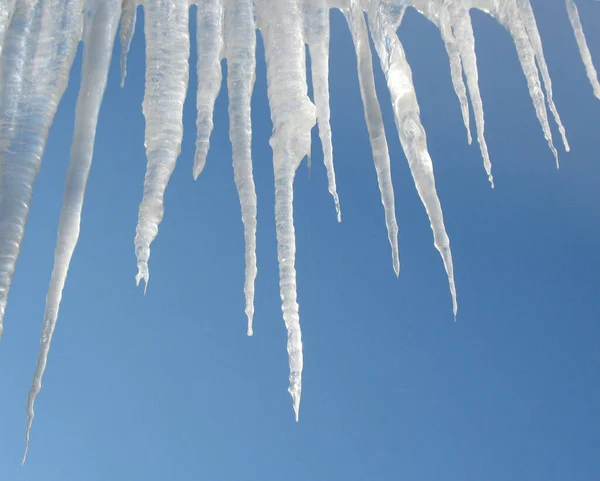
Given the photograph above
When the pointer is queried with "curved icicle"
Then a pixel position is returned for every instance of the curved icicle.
(584, 50)
(411, 132)
(241, 64)
(463, 32)
(293, 116)
(374, 121)
(536, 42)
(99, 40)
(210, 52)
(317, 17)
(509, 16)
(167, 52)
(127, 30)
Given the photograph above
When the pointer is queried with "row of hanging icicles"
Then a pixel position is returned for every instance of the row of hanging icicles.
(38, 42)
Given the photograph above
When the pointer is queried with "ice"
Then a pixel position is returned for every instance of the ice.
(99, 36)
(127, 31)
(167, 54)
(241, 64)
(584, 51)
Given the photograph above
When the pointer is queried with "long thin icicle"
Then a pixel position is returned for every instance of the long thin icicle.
(99, 40)
(318, 46)
(38, 52)
(463, 32)
(509, 16)
(293, 116)
(241, 64)
(536, 42)
(411, 132)
(584, 50)
(374, 121)
(167, 54)
(210, 52)
(127, 30)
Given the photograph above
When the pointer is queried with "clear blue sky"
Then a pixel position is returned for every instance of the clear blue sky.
(168, 386)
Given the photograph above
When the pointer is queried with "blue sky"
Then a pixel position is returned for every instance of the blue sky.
(168, 386)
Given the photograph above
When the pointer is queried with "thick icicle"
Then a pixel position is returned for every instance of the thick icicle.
(241, 64)
(167, 54)
(536, 43)
(374, 121)
(38, 52)
(210, 53)
(317, 18)
(584, 50)
(6, 11)
(293, 116)
(127, 31)
(509, 16)
(99, 40)
(410, 130)
(463, 32)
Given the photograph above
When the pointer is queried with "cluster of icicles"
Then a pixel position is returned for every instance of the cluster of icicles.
(38, 42)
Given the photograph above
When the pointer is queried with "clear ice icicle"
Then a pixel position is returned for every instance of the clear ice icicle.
(317, 18)
(210, 52)
(128, 21)
(241, 63)
(167, 52)
(293, 116)
(584, 50)
(410, 130)
(99, 39)
(374, 121)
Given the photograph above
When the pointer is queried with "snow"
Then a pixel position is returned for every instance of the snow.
(38, 41)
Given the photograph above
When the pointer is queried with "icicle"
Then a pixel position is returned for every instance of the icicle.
(6, 11)
(38, 52)
(410, 130)
(318, 46)
(210, 51)
(241, 64)
(99, 40)
(508, 15)
(127, 31)
(293, 116)
(536, 43)
(167, 52)
(584, 51)
(463, 32)
(374, 120)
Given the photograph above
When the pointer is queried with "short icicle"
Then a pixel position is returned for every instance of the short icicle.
(293, 116)
(167, 51)
(410, 130)
(317, 19)
(210, 53)
(241, 64)
(128, 22)
(99, 40)
(374, 120)
(584, 50)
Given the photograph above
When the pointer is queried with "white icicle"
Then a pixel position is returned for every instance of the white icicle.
(240, 32)
(463, 32)
(318, 46)
(509, 16)
(536, 42)
(293, 116)
(584, 50)
(210, 52)
(99, 40)
(410, 130)
(127, 31)
(167, 54)
(38, 52)
(374, 121)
